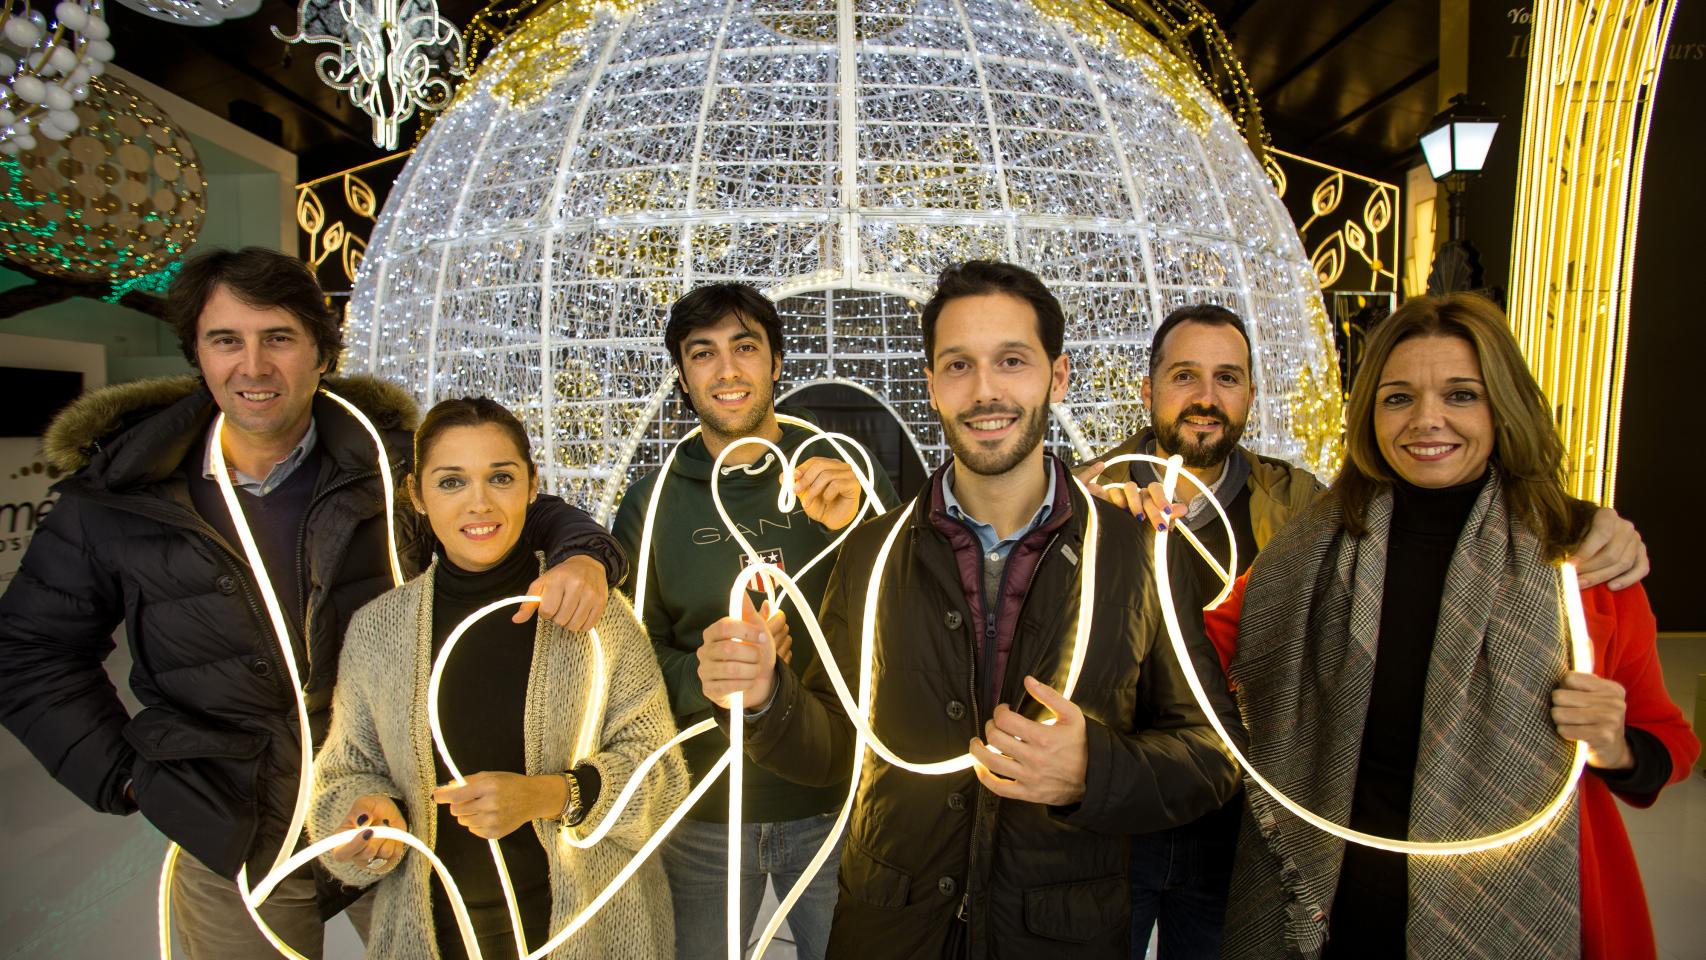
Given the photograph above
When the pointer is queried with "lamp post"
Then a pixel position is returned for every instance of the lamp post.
(1455, 144)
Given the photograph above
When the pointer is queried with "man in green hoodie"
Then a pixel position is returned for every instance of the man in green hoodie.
(726, 340)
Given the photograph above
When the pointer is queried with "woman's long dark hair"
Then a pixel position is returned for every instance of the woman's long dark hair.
(1527, 451)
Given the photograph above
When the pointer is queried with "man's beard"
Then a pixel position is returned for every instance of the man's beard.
(1174, 439)
(735, 426)
(972, 455)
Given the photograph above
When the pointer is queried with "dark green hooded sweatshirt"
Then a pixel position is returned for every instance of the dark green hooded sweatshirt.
(693, 562)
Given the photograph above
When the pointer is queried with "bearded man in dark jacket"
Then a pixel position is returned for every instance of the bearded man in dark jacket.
(141, 535)
(977, 609)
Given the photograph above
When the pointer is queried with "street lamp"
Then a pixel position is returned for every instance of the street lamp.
(1455, 144)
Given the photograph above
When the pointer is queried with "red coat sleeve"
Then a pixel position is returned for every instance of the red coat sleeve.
(1221, 624)
(1625, 639)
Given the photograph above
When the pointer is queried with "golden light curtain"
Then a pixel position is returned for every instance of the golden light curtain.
(1592, 74)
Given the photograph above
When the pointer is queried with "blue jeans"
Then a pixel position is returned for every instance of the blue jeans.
(1179, 878)
(696, 860)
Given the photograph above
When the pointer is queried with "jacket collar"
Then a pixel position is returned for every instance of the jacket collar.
(931, 512)
(132, 435)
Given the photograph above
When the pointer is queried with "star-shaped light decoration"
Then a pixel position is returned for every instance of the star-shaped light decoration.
(393, 57)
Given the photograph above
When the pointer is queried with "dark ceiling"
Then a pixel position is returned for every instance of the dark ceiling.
(1350, 82)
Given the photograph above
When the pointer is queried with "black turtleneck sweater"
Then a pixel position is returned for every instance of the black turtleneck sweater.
(482, 701)
(1371, 907)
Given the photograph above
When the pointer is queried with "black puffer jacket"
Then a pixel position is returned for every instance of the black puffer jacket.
(213, 756)
(924, 851)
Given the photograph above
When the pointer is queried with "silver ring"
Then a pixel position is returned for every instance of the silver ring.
(376, 863)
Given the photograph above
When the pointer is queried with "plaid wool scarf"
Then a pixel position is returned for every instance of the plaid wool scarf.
(1489, 754)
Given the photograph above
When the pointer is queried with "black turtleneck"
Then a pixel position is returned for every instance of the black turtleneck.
(482, 701)
(1371, 907)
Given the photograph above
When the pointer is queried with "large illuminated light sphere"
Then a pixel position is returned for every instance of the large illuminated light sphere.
(838, 156)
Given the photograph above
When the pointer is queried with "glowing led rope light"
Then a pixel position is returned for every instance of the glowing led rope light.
(275, 613)
(785, 502)
(1581, 653)
(386, 482)
(585, 742)
(786, 499)
(1224, 573)
(252, 899)
(433, 682)
(641, 580)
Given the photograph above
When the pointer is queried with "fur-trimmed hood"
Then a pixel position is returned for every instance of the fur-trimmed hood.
(87, 422)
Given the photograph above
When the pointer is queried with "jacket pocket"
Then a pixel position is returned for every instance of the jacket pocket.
(1078, 912)
(196, 783)
(871, 881)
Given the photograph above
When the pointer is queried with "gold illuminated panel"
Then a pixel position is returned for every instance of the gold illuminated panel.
(1591, 78)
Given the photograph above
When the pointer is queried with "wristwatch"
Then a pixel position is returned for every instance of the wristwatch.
(572, 810)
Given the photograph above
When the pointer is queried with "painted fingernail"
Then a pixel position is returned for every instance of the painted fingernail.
(386, 822)
(1162, 527)
(367, 834)
(361, 820)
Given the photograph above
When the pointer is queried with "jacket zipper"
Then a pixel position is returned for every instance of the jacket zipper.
(964, 913)
(1031, 581)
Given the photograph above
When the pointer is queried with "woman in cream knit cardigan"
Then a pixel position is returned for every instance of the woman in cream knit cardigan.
(379, 762)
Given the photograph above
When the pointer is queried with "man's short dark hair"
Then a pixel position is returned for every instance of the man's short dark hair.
(975, 278)
(1208, 314)
(708, 305)
(260, 278)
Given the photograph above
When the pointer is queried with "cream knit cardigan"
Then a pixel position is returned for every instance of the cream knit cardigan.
(380, 743)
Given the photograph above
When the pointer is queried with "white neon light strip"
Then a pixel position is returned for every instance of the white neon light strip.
(641, 578)
(1224, 572)
(433, 683)
(786, 500)
(281, 631)
(1581, 653)
(387, 483)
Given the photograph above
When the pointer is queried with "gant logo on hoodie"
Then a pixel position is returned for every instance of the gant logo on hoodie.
(771, 556)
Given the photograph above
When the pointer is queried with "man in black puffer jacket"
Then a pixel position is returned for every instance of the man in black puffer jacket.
(140, 535)
(978, 603)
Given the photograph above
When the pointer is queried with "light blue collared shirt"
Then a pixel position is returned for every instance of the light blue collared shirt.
(279, 473)
(995, 549)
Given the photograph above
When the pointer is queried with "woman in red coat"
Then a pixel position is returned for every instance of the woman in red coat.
(1400, 657)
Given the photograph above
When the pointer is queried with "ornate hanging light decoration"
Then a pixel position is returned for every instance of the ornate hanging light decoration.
(393, 57)
(117, 202)
(47, 65)
(608, 157)
(194, 13)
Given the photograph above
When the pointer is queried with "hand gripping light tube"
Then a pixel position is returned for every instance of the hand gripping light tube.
(586, 744)
(858, 710)
(785, 502)
(1226, 573)
(642, 579)
(1581, 655)
(588, 729)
